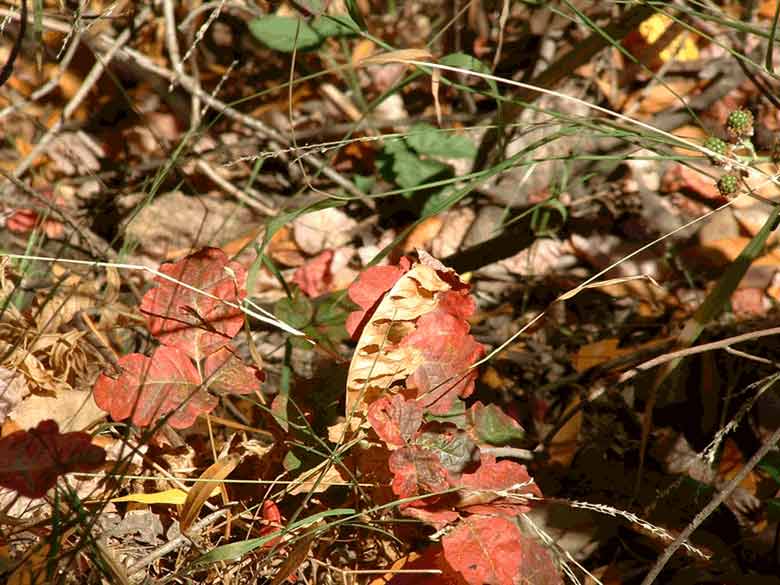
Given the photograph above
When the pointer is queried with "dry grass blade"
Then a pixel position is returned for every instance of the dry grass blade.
(203, 489)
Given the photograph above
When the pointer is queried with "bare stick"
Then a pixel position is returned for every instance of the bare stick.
(723, 343)
(716, 501)
(142, 61)
(174, 543)
(86, 86)
(252, 202)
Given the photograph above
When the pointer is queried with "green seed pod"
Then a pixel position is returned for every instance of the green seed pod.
(715, 144)
(739, 124)
(728, 185)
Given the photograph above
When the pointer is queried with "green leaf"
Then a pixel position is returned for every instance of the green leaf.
(236, 550)
(291, 461)
(452, 446)
(464, 61)
(427, 139)
(364, 183)
(495, 427)
(296, 311)
(340, 25)
(284, 33)
(402, 165)
(771, 466)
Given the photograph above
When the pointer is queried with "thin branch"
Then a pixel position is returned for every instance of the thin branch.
(716, 501)
(723, 343)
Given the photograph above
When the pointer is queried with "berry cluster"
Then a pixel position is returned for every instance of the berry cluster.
(739, 129)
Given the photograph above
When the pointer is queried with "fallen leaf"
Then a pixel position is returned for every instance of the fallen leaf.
(13, 387)
(187, 319)
(315, 277)
(72, 410)
(324, 229)
(150, 388)
(596, 353)
(203, 489)
(31, 461)
(565, 443)
(174, 496)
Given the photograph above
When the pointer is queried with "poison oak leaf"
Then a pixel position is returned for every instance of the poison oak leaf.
(226, 373)
(189, 320)
(486, 551)
(490, 424)
(455, 450)
(272, 522)
(417, 471)
(31, 461)
(493, 551)
(447, 352)
(396, 420)
(497, 487)
(150, 388)
(433, 515)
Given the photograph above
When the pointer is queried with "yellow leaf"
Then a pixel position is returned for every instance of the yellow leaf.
(682, 47)
(203, 490)
(174, 496)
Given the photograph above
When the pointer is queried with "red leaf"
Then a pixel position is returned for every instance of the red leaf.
(150, 388)
(479, 495)
(31, 461)
(395, 420)
(493, 551)
(458, 303)
(416, 567)
(272, 520)
(448, 352)
(438, 517)
(314, 278)
(369, 288)
(186, 319)
(417, 471)
(228, 374)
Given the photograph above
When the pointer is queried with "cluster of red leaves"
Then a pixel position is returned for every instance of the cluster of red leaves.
(439, 467)
(31, 461)
(193, 313)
